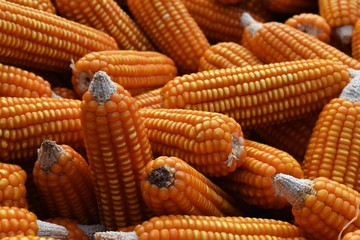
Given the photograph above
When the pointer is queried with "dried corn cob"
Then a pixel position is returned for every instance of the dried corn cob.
(210, 142)
(65, 92)
(173, 31)
(26, 122)
(109, 17)
(227, 54)
(41, 40)
(321, 207)
(63, 180)
(333, 149)
(341, 15)
(291, 6)
(75, 232)
(352, 235)
(20, 221)
(44, 5)
(355, 41)
(12, 186)
(252, 182)
(16, 82)
(130, 69)
(254, 95)
(219, 23)
(208, 227)
(118, 150)
(291, 137)
(171, 186)
(312, 24)
(150, 99)
(278, 42)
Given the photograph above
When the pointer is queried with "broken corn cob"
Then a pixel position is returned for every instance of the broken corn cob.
(62, 178)
(171, 186)
(210, 142)
(255, 95)
(26, 122)
(117, 149)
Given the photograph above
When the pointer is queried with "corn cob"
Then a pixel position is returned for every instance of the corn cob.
(109, 17)
(210, 142)
(16, 82)
(352, 235)
(44, 5)
(63, 180)
(26, 122)
(291, 6)
(355, 41)
(36, 39)
(252, 182)
(278, 42)
(219, 23)
(75, 232)
(150, 99)
(255, 95)
(341, 15)
(208, 227)
(291, 137)
(312, 24)
(65, 92)
(225, 55)
(172, 29)
(118, 150)
(130, 69)
(12, 186)
(171, 186)
(20, 221)
(321, 207)
(334, 145)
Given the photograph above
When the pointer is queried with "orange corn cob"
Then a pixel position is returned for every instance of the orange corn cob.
(75, 232)
(41, 40)
(291, 137)
(219, 22)
(291, 6)
(312, 24)
(321, 207)
(20, 221)
(16, 82)
(254, 95)
(63, 180)
(225, 55)
(109, 17)
(355, 41)
(172, 29)
(171, 186)
(130, 69)
(333, 149)
(352, 235)
(252, 182)
(210, 142)
(118, 150)
(26, 122)
(208, 227)
(341, 15)
(12, 186)
(150, 99)
(44, 5)
(278, 42)
(65, 92)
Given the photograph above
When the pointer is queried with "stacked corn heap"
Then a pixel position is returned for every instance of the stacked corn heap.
(178, 119)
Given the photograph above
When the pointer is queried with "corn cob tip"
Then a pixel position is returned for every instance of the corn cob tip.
(238, 148)
(90, 230)
(250, 23)
(293, 189)
(344, 33)
(162, 176)
(351, 91)
(102, 87)
(51, 230)
(48, 154)
(113, 235)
